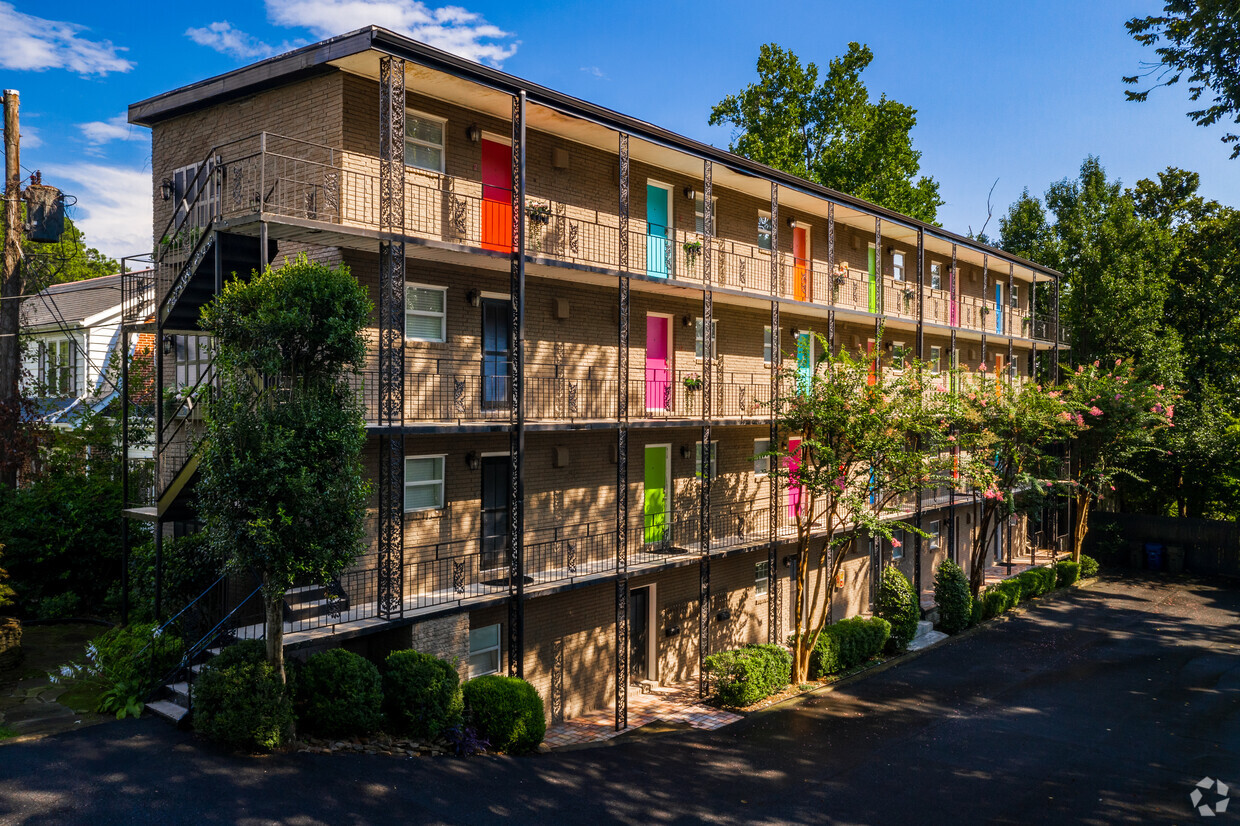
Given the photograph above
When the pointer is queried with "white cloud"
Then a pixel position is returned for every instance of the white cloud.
(113, 204)
(99, 132)
(594, 71)
(222, 37)
(35, 44)
(450, 28)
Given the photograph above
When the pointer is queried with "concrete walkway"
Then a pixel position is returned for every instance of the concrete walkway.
(665, 707)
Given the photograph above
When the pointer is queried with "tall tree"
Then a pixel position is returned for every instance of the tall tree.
(69, 259)
(281, 490)
(1200, 38)
(830, 132)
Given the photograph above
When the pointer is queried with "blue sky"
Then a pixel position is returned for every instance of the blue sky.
(1021, 92)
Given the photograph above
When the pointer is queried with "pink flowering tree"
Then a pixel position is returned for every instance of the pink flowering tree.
(854, 444)
(1008, 436)
(1123, 413)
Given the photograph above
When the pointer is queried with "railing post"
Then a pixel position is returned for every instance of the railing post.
(880, 300)
(1007, 328)
(708, 359)
(921, 344)
(772, 551)
(985, 278)
(622, 455)
(262, 173)
(516, 410)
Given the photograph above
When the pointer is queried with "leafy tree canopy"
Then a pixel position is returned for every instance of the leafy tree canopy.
(830, 131)
(68, 260)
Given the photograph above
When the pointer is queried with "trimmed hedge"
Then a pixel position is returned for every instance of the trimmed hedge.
(241, 705)
(1068, 572)
(1036, 581)
(846, 644)
(999, 598)
(339, 694)
(1089, 567)
(743, 676)
(242, 651)
(506, 712)
(421, 694)
(951, 594)
(899, 606)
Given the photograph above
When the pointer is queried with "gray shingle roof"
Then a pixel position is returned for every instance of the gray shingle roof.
(72, 302)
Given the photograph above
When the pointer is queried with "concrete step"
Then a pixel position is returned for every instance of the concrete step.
(168, 710)
(178, 693)
(926, 636)
(304, 594)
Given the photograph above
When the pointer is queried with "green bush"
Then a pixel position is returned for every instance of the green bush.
(134, 654)
(977, 615)
(1035, 582)
(506, 712)
(846, 644)
(242, 705)
(1068, 572)
(339, 693)
(999, 598)
(951, 594)
(743, 676)
(1089, 567)
(421, 694)
(242, 651)
(899, 606)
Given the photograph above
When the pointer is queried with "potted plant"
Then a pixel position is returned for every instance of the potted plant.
(539, 216)
(693, 249)
(692, 382)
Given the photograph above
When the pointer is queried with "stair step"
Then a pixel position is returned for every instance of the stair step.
(179, 693)
(168, 710)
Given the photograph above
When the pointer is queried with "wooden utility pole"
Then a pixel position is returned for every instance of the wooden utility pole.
(10, 284)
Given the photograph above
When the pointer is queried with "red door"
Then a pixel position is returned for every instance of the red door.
(496, 196)
(802, 289)
(796, 492)
(658, 363)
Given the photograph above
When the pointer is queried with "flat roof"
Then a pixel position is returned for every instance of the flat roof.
(316, 59)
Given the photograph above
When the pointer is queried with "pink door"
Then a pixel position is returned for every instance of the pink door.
(658, 363)
(795, 491)
(496, 196)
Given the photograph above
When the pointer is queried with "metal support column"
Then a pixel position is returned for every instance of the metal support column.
(879, 291)
(391, 567)
(125, 501)
(954, 361)
(708, 366)
(772, 551)
(835, 279)
(985, 274)
(1007, 328)
(622, 456)
(516, 411)
(921, 345)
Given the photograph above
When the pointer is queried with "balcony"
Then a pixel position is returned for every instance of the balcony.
(326, 195)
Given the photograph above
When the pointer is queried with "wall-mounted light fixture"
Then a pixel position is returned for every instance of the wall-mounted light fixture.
(672, 630)
(724, 615)
(687, 320)
(690, 194)
(792, 222)
(794, 332)
(788, 560)
(168, 344)
(887, 346)
(685, 452)
(165, 189)
(473, 460)
(474, 298)
(473, 133)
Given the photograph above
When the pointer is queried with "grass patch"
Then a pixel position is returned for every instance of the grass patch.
(6, 733)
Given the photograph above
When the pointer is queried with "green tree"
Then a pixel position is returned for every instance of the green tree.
(868, 438)
(281, 490)
(830, 132)
(69, 259)
(1200, 38)
(7, 595)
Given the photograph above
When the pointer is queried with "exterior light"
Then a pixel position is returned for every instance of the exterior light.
(473, 133)
(474, 298)
(165, 189)
(473, 460)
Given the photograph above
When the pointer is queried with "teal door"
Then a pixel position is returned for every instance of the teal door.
(998, 307)
(658, 232)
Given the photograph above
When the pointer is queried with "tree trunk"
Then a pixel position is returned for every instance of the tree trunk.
(1083, 501)
(273, 603)
(977, 565)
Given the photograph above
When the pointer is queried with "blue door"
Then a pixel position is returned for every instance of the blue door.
(658, 232)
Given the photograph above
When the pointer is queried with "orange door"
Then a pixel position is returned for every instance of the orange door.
(496, 196)
(802, 289)
(872, 357)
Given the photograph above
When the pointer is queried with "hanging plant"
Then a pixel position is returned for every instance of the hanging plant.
(539, 214)
(693, 249)
(692, 381)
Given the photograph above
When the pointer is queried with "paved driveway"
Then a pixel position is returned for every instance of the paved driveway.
(1103, 705)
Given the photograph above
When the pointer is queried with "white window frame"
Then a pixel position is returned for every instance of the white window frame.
(443, 316)
(188, 369)
(761, 580)
(699, 214)
(203, 210)
(898, 354)
(936, 359)
(898, 553)
(495, 649)
(442, 146)
(768, 345)
(714, 459)
(65, 382)
(933, 529)
(936, 275)
(897, 269)
(761, 464)
(699, 344)
(770, 234)
(443, 472)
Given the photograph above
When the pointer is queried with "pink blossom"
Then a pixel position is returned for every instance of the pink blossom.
(895, 543)
(1112, 487)
(1096, 363)
(1094, 411)
(982, 367)
(1118, 362)
(1080, 420)
(951, 438)
(1064, 415)
(1117, 395)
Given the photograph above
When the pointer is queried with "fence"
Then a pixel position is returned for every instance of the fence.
(1210, 546)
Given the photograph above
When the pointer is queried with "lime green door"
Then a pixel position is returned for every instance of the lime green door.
(873, 279)
(657, 505)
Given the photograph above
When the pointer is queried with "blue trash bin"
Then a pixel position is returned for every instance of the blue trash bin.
(1154, 556)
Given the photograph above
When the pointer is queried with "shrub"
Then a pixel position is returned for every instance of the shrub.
(506, 711)
(1068, 572)
(242, 705)
(951, 593)
(421, 693)
(1089, 567)
(976, 615)
(846, 644)
(899, 606)
(1036, 581)
(339, 693)
(743, 676)
(999, 598)
(242, 651)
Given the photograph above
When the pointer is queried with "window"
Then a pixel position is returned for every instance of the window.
(766, 227)
(936, 356)
(1015, 300)
(699, 214)
(423, 483)
(484, 650)
(58, 367)
(767, 345)
(899, 355)
(186, 184)
(714, 460)
(426, 317)
(897, 544)
(761, 580)
(424, 141)
(933, 530)
(897, 266)
(761, 464)
(697, 338)
(936, 275)
(193, 355)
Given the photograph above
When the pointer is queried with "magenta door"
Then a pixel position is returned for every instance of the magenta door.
(658, 363)
(795, 491)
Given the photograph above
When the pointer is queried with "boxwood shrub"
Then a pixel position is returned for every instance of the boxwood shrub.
(899, 606)
(506, 712)
(241, 705)
(846, 644)
(339, 694)
(951, 594)
(999, 598)
(1068, 572)
(1089, 567)
(743, 676)
(1036, 581)
(421, 694)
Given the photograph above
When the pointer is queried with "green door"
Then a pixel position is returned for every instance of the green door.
(657, 505)
(873, 304)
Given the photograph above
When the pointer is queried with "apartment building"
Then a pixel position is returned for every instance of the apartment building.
(579, 322)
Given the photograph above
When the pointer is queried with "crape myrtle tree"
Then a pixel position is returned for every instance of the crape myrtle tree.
(281, 491)
(1007, 433)
(861, 439)
(1123, 413)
